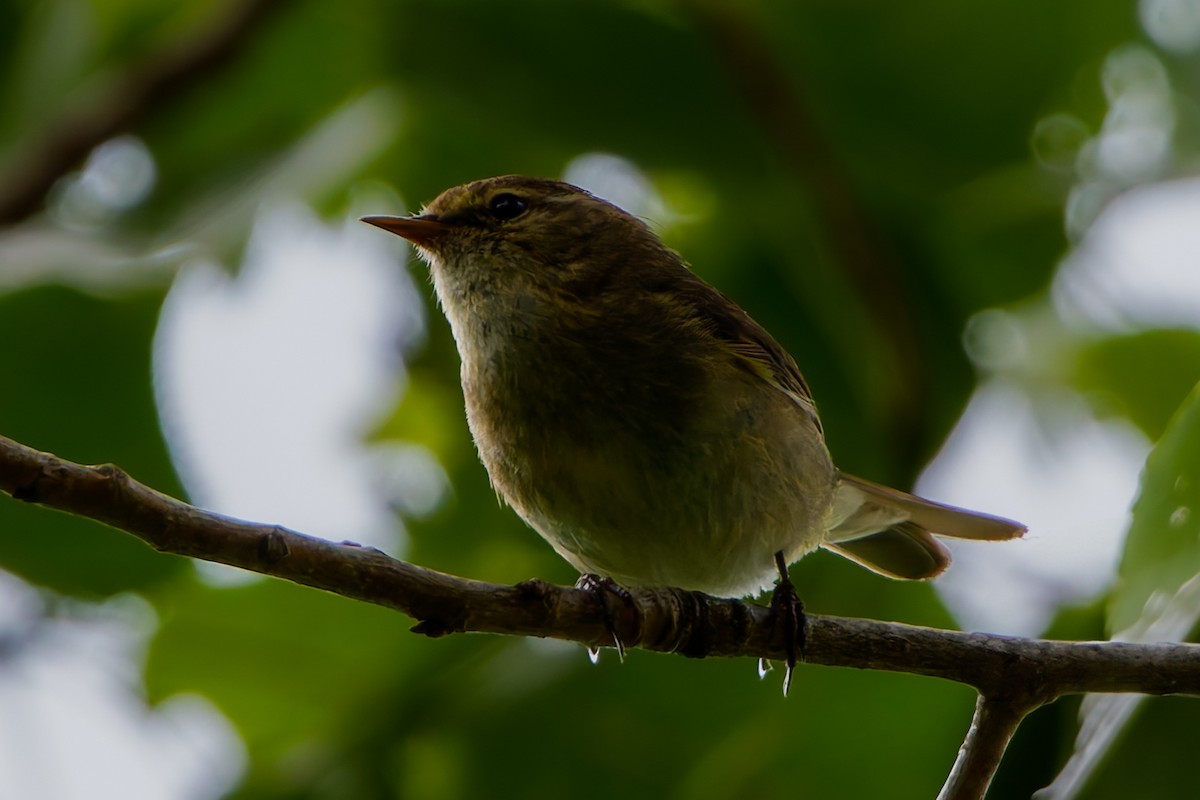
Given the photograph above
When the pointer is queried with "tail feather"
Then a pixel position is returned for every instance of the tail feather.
(890, 531)
(903, 551)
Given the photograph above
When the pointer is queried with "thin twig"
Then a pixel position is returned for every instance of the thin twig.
(996, 720)
(160, 78)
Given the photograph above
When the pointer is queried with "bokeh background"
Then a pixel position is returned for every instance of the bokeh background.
(973, 224)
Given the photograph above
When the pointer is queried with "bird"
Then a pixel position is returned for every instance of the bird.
(638, 419)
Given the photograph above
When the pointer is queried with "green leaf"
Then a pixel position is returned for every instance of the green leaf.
(1162, 552)
(1156, 599)
(1144, 375)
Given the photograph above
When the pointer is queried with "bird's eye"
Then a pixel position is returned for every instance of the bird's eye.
(507, 206)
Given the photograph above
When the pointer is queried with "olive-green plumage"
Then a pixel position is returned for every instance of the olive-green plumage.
(637, 418)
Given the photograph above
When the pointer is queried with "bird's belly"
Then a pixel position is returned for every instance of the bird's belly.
(705, 510)
(710, 530)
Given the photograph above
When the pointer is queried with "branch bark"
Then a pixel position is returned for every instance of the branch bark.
(996, 720)
(1013, 675)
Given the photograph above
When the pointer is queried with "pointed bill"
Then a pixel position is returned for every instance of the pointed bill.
(419, 230)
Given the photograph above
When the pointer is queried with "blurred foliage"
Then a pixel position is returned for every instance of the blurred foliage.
(1143, 376)
(79, 382)
(858, 175)
(1164, 539)
(1154, 600)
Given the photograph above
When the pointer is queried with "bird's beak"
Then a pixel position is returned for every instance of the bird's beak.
(420, 230)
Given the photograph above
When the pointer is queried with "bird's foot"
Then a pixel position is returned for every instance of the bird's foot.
(788, 611)
(611, 596)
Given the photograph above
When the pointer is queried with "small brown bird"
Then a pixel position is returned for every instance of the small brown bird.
(637, 418)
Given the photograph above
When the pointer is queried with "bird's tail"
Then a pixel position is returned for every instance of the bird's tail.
(891, 532)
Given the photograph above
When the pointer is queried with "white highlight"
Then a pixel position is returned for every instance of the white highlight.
(74, 724)
(1174, 25)
(620, 182)
(1069, 477)
(267, 383)
(1138, 266)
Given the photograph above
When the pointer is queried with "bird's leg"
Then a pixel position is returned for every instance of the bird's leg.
(611, 596)
(787, 610)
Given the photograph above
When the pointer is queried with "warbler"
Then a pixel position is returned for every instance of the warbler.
(636, 417)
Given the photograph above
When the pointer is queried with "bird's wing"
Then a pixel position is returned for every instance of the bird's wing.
(763, 356)
(751, 345)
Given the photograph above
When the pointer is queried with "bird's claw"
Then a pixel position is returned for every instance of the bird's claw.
(612, 597)
(787, 610)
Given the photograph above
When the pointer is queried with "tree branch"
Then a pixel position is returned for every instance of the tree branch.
(996, 720)
(1013, 675)
(664, 620)
(161, 77)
